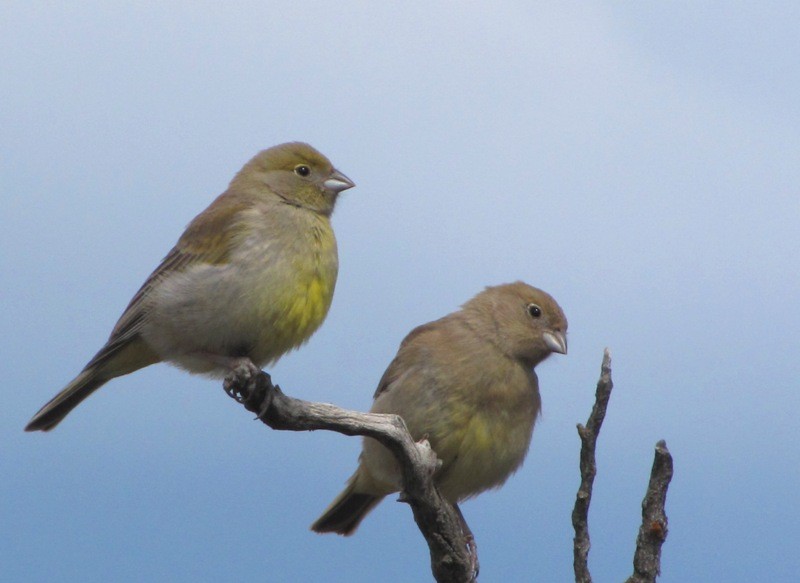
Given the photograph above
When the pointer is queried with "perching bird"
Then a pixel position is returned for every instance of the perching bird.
(251, 278)
(466, 383)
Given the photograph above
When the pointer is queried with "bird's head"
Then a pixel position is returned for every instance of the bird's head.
(298, 174)
(524, 322)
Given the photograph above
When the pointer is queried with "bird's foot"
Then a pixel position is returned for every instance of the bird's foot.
(472, 549)
(472, 546)
(245, 383)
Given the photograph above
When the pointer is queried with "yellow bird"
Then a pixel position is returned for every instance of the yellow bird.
(251, 278)
(466, 383)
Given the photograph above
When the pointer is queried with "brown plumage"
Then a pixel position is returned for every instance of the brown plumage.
(466, 383)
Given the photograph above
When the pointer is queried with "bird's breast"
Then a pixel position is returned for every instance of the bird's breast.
(296, 289)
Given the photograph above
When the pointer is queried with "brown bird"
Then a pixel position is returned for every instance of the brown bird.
(466, 383)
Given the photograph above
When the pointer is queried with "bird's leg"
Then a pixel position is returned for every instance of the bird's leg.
(472, 546)
(241, 366)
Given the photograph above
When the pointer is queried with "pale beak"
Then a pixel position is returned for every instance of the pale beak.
(337, 182)
(555, 341)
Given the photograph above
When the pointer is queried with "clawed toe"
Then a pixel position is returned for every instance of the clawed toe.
(249, 385)
(240, 381)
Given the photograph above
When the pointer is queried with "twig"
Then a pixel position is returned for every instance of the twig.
(653, 532)
(436, 518)
(588, 466)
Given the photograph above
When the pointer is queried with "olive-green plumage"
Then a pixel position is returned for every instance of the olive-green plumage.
(251, 278)
(466, 383)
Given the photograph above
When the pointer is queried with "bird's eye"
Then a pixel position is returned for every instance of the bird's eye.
(302, 170)
(534, 310)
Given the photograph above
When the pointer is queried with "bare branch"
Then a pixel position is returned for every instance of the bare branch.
(588, 435)
(438, 520)
(653, 532)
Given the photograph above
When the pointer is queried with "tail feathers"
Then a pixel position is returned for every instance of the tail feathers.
(346, 512)
(59, 406)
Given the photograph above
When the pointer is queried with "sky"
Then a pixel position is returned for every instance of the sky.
(638, 161)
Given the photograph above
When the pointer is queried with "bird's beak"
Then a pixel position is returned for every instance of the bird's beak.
(556, 341)
(337, 182)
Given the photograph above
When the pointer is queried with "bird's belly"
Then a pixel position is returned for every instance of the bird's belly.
(249, 311)
(478, 453)
(488, 449)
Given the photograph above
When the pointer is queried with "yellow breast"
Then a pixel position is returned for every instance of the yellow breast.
(296, 307)
(310, 305)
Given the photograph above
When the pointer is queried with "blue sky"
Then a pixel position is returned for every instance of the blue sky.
(638, 162)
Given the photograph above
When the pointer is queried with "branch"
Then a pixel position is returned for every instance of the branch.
(438, 520)
(588, 465)
(653, 532)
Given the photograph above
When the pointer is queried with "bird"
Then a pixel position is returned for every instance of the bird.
(251, 278)
(467, 384)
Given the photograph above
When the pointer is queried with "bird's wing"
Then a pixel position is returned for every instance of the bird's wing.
(208, 239)
(405, 353)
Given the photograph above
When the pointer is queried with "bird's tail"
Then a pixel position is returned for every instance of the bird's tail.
(59, 406)
(347, 511)
(122, 354)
